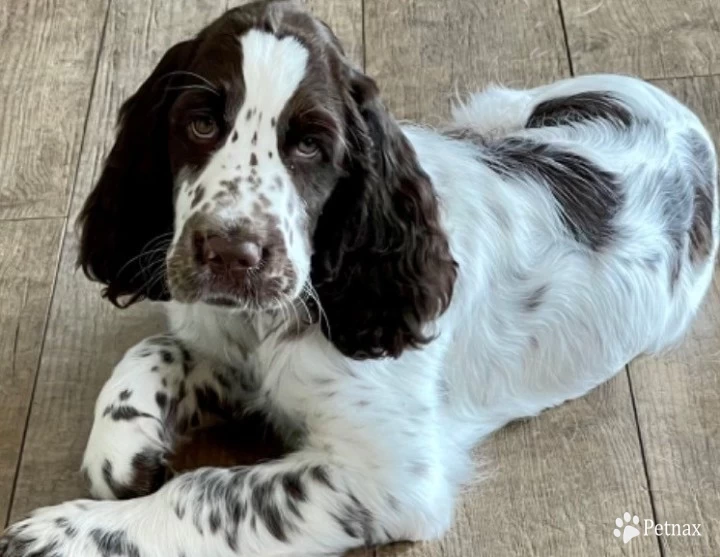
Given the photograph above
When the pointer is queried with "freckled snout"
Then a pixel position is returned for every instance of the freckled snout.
(230, 262)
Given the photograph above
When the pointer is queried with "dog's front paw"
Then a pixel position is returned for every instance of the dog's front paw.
(132, 435)
(68, 530)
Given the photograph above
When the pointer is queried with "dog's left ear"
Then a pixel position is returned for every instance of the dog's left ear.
(382, 266)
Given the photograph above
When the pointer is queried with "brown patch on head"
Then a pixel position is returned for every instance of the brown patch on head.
(197, 197)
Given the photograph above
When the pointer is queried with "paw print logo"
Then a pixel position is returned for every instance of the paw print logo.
(627, 527)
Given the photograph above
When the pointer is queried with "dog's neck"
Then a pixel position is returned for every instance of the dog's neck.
(230, 334)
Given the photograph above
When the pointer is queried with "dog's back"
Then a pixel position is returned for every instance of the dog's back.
(584, 218)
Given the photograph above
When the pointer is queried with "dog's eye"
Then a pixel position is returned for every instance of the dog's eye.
(307, 148)
(203, 128)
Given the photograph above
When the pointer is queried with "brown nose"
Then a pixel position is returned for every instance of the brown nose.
(221, 254)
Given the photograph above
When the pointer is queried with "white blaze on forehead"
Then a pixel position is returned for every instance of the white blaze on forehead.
(272, 69)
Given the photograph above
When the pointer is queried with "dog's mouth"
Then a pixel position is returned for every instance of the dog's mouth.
(258, 291)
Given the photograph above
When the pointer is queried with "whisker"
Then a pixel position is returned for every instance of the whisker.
(185, 87)
(160, 237)
(191, 74)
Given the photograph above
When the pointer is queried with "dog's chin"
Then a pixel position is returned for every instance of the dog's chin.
(231, 301)
(251, 297)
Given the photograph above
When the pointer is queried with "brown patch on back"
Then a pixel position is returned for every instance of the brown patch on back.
(587, 195)
(702, 174)
(583, 107)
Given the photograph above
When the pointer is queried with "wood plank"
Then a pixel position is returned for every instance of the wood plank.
(648, 38)
(555, 485)
(678, 397)
(28, 260)
(558, 482)
(345, 18)
(422, 51)
(48, 57)
(86, 335)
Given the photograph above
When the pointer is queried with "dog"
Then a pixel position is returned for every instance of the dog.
(385, 296)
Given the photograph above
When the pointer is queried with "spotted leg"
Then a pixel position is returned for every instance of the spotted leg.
(302, 505)
(157, 392)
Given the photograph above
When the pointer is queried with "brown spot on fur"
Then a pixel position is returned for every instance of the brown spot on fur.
(465, 134)
(253, 159)
(588, 196)
(253, 141)
(535, 300)
(197, 198)
(269, 154)
(273, 122)
(234, 136)
(231, 185)
(248, 115)
(206, 207)
(702, 179)
(264, 200)
(591, 105)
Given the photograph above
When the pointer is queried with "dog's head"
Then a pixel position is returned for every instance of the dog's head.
(255, 164)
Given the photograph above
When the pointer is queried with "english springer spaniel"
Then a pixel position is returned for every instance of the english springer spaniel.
(385, 295)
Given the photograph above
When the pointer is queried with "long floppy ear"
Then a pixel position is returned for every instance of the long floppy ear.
(128, 217)
(382, 266)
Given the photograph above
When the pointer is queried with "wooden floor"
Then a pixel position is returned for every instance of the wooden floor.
(647, 442)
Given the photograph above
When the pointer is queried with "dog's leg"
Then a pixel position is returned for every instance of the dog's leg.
(304, 504)
(158, 391)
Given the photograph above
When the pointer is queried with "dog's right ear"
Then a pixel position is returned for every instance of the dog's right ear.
(127, 221)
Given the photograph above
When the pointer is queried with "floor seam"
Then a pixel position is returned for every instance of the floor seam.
(643, 456)
(565, 38)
